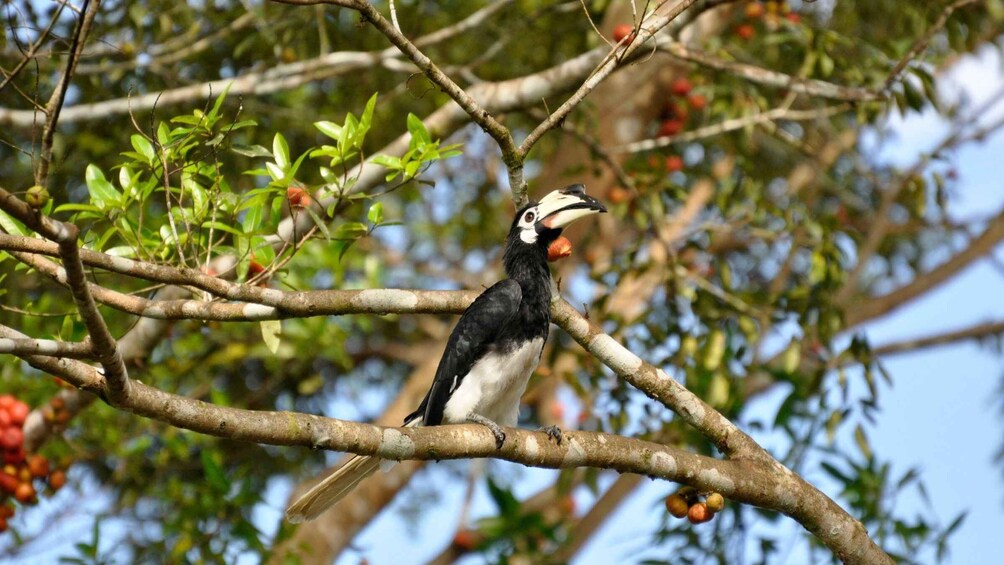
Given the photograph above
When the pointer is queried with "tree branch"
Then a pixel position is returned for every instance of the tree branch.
(748, 481)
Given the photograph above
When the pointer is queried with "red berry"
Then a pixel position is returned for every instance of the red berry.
(6, 400)
(6, 511)
(3, 525)
(745, 31)
(698, 102)
(298, 197)
(618, 195)
(8, 483)
(4, 418)
(18, 412)
(674, 163)
(11, 438)
(681, 87)
(793, 18)
(622, 31)
(255, 268)
(670, 127)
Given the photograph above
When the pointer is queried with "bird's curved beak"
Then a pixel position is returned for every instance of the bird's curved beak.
(565, 205)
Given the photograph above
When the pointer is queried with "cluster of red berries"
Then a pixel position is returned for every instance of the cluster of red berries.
(21, 471)
(687, 502)
(770, 12)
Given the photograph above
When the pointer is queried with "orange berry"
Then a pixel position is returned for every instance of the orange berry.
(676, 505)
(38, 465)
(754, 10)
(466, 540)
(25, 493)
(57, 479)
(698, 102)
(618, 195)
(699, 513)
(746, 32)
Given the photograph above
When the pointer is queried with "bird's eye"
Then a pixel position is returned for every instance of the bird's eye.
(528, 217)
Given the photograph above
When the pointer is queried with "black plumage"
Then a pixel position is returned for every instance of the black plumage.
(493, 349)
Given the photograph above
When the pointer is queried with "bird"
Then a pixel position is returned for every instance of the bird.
(491, 352)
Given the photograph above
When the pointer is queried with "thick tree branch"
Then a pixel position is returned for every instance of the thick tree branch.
(68, 349)
(748, 481)
(65, 236)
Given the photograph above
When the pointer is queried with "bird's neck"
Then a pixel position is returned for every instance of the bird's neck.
(529, 268)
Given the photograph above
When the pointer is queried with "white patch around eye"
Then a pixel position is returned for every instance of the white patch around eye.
(528, 235)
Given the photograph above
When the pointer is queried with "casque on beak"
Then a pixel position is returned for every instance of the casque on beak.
(565, 205)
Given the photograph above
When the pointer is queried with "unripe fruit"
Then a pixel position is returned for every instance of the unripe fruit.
(681, 87)
(676, 505)
(715, 502)
(699, 513)
(24, 474)
(37, 197)
(622, 31)
(25, 493)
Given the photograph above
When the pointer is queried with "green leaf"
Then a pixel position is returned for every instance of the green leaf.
(417, 130)
(375, 214)
(330, 129)
(280, 150)
(215, 476)
(254, 151)
(270, 332)
(143, 146)
(367, 118)
(13, 226)
(103, 194)
(252, 219)
(350, 230)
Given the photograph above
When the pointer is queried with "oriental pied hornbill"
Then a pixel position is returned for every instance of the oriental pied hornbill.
(493, 349)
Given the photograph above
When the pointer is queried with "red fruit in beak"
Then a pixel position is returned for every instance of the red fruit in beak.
(559, 249)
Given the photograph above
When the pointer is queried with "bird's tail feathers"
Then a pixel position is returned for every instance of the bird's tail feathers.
(338, 484)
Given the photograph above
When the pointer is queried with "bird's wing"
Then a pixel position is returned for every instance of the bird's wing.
(478, 327)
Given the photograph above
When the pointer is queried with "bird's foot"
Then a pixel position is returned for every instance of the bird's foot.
(553, 432)
(495, 428)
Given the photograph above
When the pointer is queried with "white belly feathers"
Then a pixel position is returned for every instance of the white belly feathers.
(494, 386)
